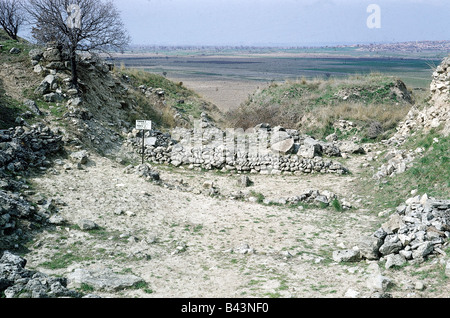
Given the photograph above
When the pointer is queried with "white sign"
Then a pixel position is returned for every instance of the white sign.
(143, 125)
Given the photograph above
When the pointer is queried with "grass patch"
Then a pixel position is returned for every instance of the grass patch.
(178, 100)
(63, 260)
(429, 174)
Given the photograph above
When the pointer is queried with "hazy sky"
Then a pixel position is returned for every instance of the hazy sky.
(282, 22)
(291, 22)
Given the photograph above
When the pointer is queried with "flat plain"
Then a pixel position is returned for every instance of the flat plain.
(227, 77)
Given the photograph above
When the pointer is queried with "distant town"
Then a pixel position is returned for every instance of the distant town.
(407, 47)
(412, 47)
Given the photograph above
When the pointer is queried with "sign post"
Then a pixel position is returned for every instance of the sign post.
(143, 125)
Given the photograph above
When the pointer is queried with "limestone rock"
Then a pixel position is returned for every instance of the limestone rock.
(104, 279)
(87, 225)
(350, 255)
(81, 157)
(283, 147)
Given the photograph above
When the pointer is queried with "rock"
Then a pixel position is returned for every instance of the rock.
(244, 181)
(53, 97)
(87, 225)
(278, 136)
(43, 88)
(33, 107)
(350, 147)
(15, 50)
(351, 293)
(346, 256)
(56, 220)
(12, 259)
(18, 282)
(376, 281)
(81, 157)
(52, 55)
(102, 280)
(369, 247)
(283, 147)
(394, 260)
(391, 245)
(310, 148)
(419, 286)
(447, 268)
(36, 54)
(243, 249)
(394, 224)
(423, 250)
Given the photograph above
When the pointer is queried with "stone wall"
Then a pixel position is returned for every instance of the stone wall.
(263, 150)
(22, 148)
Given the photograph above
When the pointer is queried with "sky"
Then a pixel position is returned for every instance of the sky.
(283, 22)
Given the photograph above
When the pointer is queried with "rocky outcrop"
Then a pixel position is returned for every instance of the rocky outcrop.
(438, 112)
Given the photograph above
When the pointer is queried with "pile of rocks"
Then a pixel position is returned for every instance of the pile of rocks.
(144, 171)
(25, 147)
(18, 282)
(398, 161)
(314, 197)
(419, 228)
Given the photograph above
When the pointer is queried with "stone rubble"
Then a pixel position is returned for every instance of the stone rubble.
(418, 229)
(26, 147)
(18, 282)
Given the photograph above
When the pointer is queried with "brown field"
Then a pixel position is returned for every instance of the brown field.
(225, 94)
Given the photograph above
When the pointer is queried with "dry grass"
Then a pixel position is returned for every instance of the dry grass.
(314, 105)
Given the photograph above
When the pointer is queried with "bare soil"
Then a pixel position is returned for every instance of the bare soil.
(225, 94)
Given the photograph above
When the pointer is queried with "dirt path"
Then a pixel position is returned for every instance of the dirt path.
(192, 245)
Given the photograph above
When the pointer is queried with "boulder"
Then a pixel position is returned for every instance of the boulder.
(351, 147)
(81, 157)
(52, 55)
(350, 255)
(33, 107)
(53, 98)
(36, 54)
(15, 50)
(87, 225)
(104, 279)
(394, 224)
(391, 245)
(283, 147)
(394, 260)
(369, 247)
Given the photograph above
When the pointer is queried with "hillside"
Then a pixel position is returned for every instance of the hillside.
(314, 105)
(339, 188)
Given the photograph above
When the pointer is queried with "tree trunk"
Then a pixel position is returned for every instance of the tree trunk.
(74, 69)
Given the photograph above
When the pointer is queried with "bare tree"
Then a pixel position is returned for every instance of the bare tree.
(12, 17)
(78, 25)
